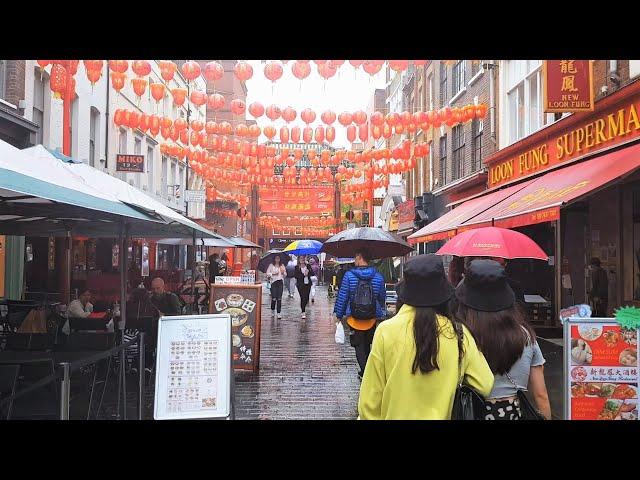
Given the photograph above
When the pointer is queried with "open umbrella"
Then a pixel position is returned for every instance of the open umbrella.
(493, 242)
(267, 259)
(378, 242)
(303, 247)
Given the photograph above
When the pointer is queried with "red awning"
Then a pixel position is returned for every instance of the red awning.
(541, 200)
(448, 225)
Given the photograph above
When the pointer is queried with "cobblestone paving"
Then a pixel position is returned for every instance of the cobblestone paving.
(303, 373)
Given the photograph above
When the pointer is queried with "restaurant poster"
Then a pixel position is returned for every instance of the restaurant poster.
(601, 370)
(243, 303)
(194, 377)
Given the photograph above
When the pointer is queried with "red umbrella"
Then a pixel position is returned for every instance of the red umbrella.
(493, 242)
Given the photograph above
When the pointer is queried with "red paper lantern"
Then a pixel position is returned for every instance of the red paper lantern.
(345, 119)
(157, 91)
(295, 134)
(167, 70)
(273, 112)
(398, 65)
(225, 128)
(120, 117)
(237, 106)
(420, 63)
(134, 119)
(300, 69)
(308, 116)
(351, 133)
(117, 80)
(387, 131)
(242, 130)
(215, 101)
(141, 67)
(273, 71)
(392, 119)
(254, 131)
(211, 127)
(319, 134)
(58, 80)
(359, 117)
(284, 134)
(356, 63)
(243, 71)
(376, 132)
(330, 134)
(256, 109)
(372, 67)
(363, 132)
(119, 66)
(179, 96)
(326, 71)
(190, 70)
(213, 71)
(139, 86)
(198, 98)
(307, 134)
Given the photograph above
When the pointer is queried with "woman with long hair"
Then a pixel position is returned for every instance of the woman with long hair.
(487, 306)
(303, 274)
(414, 367)
(276, 274)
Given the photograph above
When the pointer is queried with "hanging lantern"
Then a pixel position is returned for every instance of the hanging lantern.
(43, 63)
(345, 119)
(405, 118)
(141, 67)
(356, 63)
(119, 66)
(308, 116)
(167, 70)
(359, 117)
(398, 65)
(376, 131)
(326, 71)
(256, 109)
(420, 63)
(273, 71)
(58, 80)
(190, 70)
(300, 70)
(330, 134)
(215, 101)
(243, 71)
(134, 119)
(179, 96)
(197, 125)
(392, 119)
(319, 135)
(117, 80)
(289, 114)
(284, 134)
(139, 86)
(120, 117)
(307, 134)
(198, 98)
(371, 67)
(165, 122)
(213, 71)
(295, 134)
(328, 117)
(157, 91)
(351, 133)
(363, 132)
(225, 128)
(254, 131)
(273, 112)
(237, 106)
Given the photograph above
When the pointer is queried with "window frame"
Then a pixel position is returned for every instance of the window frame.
(477, 128)
(457, 151)
(442, 174)
(443, 84)
(458, 80)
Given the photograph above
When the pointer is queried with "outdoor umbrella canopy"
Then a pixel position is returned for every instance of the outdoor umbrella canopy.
(240, 242)
(303, 247)
(221, 242)
(493, 242)
(378, 242)
(267, 259)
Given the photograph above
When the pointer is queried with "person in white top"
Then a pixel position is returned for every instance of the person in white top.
(81, 307)
(276, 274)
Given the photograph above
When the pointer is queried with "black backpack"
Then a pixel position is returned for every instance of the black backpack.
(363, 304)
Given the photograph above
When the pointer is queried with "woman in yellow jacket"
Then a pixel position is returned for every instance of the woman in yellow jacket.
(412, 371)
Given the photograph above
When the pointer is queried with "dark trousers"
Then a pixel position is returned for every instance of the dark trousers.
(600, 309)
(276, 295)
(304, 291)
(361, 340)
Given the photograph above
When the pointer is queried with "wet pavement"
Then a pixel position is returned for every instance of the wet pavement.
(303, 373)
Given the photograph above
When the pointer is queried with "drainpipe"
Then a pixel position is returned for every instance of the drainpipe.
(106, 137)
(492, 102)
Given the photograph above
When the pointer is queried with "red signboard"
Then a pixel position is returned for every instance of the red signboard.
(568, 85)
(406, 211)
(130, 163)
(297, 200)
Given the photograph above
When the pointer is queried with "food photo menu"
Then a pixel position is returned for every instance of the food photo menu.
(603, 372)
(194, 365)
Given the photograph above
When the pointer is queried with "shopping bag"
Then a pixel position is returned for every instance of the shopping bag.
(339, 333)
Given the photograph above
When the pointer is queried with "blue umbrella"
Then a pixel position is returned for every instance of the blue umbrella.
(303, 247)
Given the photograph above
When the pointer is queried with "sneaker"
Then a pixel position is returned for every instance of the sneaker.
(279, 317)
(304, 315)
(313, 300)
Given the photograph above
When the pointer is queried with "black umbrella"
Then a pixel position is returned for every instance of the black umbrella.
(268, 258)
(381, 244)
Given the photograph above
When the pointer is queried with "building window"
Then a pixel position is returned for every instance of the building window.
(476, 142)
(524, 98)
(122, 141)
(457, 147)
(137, 146)
(38, 107)
(94, 125)
(457, 77)
(443, 161)
(443, 84)
(431, 92)
(475, 67)
(164, 180)
(149, 162)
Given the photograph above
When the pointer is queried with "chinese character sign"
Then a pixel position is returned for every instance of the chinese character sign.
(297, 200)
(568, 85)
(130, 163)
(602, 381)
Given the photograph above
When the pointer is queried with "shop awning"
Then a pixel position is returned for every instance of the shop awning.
(240, 242)
(541, 200)
(451, 222)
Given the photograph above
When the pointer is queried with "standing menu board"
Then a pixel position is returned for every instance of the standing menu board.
(601, 373)
(242, 303)
(193, 378)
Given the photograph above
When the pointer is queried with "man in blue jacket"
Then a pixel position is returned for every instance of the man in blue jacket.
(361, 300)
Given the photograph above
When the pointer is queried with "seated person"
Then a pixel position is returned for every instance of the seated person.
(167, 303)
(81, 307)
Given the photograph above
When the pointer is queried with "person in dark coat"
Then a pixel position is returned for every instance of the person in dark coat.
(303, 274)
(599, 292)
(214, 267)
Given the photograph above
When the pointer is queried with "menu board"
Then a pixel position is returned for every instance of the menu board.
(601, 370)
(193, 377)
(242, 302)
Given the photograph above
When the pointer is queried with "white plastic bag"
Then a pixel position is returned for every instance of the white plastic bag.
(339, 333)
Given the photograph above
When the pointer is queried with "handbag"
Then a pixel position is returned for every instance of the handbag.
(529, 412)
(468, 404)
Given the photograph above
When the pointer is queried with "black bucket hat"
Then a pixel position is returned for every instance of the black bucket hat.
(485, 287)
(424, 283)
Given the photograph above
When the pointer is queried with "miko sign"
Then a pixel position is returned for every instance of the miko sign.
(130, 163)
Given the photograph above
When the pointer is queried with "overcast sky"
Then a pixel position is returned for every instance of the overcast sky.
(347, 90)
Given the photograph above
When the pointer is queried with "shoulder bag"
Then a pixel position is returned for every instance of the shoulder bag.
(529, 412)
(468, 404)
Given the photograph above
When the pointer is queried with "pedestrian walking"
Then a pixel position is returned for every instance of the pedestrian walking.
(315, 268)
(599, 292)
(361, 300)
(487, 306)
(303, 274)
(276, 273)
(291, 278)
(413, 370)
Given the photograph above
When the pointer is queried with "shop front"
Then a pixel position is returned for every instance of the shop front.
(574, 188)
